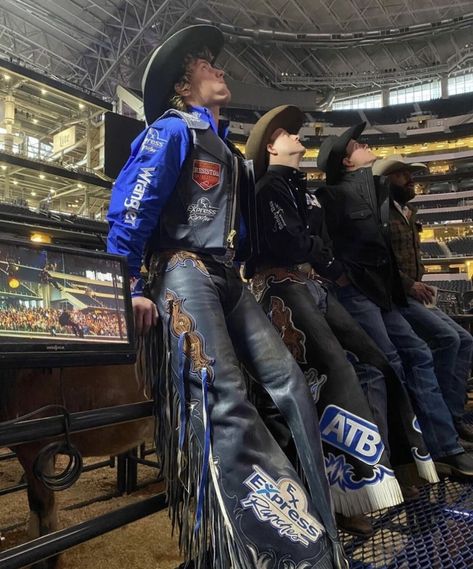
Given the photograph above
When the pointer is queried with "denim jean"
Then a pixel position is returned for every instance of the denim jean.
(451, 347)
(412, 360)
(363, 355)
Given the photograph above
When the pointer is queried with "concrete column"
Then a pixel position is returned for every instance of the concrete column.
(8, 121)
(385, 97)
(89, 149)
(444, 87)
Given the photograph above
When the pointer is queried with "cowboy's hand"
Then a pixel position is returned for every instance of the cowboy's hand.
(145, 314)
(422, 292)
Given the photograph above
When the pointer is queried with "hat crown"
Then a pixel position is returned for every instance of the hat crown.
(288, 117)
(164, 67)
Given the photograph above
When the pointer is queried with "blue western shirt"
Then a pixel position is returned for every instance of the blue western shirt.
(145, 184)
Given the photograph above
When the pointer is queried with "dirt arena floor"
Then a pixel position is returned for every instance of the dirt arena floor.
(145, 544)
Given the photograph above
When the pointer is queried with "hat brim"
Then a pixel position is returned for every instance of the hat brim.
(386, 167)
(353, 133)
(330, 159)
(165, 65)
(288, 117)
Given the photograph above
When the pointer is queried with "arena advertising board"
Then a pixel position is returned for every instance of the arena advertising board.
(61, 306)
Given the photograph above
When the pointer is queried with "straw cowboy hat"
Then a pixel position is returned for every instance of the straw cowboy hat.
(393, 163)
(288, 117)
(333, 150)
(164, 68)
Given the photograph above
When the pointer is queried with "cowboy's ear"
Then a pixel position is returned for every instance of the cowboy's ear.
(347, 162)
(183, 89)
(271, 150)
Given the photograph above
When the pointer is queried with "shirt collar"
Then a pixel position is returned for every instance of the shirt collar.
(403, 210)
(204, 114)
(290, 174)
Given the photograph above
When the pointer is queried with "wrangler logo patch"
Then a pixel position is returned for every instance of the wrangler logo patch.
(206, 174)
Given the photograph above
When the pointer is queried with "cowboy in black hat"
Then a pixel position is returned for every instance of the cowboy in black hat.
(357, 210)
(186, 197)
(294, 245)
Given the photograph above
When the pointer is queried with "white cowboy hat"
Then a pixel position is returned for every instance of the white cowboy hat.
(393, 163)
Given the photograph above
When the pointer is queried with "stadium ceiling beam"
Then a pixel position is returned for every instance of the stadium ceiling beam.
(392, 18)
(365, 79)
(348, 39)
(307, 17)
(266, 65)
(249, 69)
(18, 43)
(169, 13)
(52, 24)
(240, 58)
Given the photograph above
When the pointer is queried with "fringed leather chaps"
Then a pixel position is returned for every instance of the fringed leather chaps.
(357, 457)
(234, 496)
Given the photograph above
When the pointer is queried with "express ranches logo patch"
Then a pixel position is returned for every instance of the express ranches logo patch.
(282, 504)
(206, 174)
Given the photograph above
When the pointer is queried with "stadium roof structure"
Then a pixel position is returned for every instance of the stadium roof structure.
(321, 46)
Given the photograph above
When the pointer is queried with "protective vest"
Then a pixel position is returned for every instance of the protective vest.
(203, 212)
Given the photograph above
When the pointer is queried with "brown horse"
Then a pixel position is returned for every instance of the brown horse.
(76, 389)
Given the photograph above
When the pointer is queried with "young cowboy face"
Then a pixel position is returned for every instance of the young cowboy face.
(358, 155)
(283, 145)
(206, 86)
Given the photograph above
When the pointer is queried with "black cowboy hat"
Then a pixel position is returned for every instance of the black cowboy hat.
(288, 117)
(333, 150)
(164, 68)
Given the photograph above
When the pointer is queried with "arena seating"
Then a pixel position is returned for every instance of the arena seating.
(455, 201)
(445, 215)
(460, 286)
(431, 249)
(461, 246)
(440, 108)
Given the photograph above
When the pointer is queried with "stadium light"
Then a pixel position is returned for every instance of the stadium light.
(13, 282)
(40, 238)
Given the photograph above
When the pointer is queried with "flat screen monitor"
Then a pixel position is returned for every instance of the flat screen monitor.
(63, 307)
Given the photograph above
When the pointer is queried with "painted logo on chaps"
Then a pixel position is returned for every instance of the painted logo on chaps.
(194, 343)
(315, 382)
(283, 504)
(341, 476)
(281, 318)
(206, 174)
(416, 425)
(351, 434)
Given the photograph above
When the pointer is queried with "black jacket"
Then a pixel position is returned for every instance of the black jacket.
(357, 213)
(291, 224)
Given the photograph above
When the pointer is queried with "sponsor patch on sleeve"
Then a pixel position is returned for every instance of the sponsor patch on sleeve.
(206, 174)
